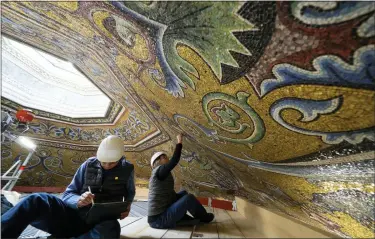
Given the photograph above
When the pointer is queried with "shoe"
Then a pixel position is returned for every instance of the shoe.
(189, 222)
(208, 218)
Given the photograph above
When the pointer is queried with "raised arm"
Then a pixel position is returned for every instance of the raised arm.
(165, 169)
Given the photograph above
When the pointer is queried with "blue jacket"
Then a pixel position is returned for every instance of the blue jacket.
(72, 192)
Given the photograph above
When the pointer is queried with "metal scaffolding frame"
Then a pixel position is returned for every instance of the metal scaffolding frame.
(19, 166)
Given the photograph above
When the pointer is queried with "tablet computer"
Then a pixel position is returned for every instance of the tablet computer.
(105, 211)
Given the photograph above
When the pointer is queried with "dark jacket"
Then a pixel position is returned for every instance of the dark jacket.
(75, 188)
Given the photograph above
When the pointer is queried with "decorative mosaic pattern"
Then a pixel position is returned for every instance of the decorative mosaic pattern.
(138, 125)
(129, 130)
(276, 99)
(54, 166)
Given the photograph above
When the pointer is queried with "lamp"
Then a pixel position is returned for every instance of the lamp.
(26, 142)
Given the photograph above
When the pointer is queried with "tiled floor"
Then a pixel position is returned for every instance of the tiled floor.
(222, 227)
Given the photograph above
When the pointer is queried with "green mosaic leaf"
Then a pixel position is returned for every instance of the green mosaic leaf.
(207, 27)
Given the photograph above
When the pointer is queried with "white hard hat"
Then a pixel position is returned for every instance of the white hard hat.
(155, 156)
(111, 149)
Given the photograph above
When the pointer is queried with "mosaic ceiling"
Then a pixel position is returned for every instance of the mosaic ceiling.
(276, 99)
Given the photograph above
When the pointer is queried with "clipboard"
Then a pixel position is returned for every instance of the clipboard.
(100, 212)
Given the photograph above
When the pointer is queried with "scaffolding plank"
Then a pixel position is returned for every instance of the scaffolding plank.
(248, 229)
(225, 225)
(141, 229)
(206, 230)
(137, 207)
(128, 220)
(179, 232)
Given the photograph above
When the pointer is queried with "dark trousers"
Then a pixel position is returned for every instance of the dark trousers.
(50, 214)
(185, 202)
(5, 204)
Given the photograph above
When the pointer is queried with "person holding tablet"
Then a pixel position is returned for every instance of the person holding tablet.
(166, 208)
(109, 177)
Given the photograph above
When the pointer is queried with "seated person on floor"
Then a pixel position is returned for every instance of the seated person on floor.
(166, 208)
(110, 178)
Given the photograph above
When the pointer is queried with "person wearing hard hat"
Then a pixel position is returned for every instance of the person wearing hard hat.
(109, 177)
(166, 208)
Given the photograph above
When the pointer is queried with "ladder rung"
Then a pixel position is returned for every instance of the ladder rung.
(8, 178)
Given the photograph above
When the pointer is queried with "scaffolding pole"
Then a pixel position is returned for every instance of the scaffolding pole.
(17, 172)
